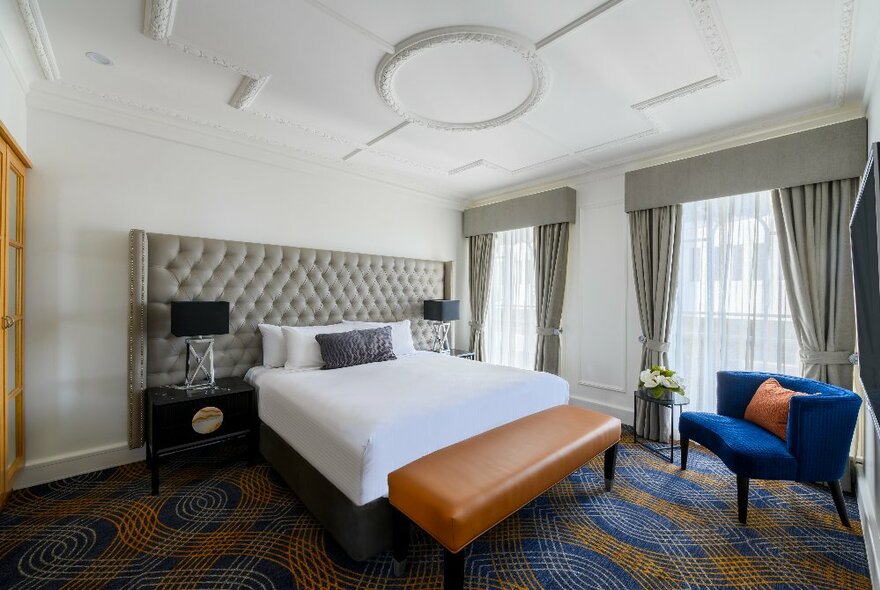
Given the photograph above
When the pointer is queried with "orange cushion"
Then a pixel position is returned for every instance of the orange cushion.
(769, 407)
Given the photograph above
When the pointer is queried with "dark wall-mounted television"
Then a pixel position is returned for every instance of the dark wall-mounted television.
(865, 239)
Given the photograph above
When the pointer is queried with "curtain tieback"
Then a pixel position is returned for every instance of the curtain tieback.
(544, 331)
(828, 357)
(655, 345)
(476, 326)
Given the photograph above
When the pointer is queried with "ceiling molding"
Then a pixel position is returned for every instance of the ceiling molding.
(618, 142)
(376, 39)
(715, 38)
(545, 163)
(479, 164)
(376, 140)
(463, 35)
(211, 57)
(159, 18)
(156, 114)
(415, 165)
(247, 92)
(844, 49)
(556, 35)
(304, 128)
(678, 93)
(36, 30)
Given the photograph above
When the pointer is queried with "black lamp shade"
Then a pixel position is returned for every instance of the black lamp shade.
(441, 310)
(199, 318)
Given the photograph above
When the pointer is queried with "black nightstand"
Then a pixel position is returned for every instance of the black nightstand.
(460, 353)
(179, 420)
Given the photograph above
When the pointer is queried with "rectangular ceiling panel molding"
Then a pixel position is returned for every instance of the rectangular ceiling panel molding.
(554, 206)
(817, 155)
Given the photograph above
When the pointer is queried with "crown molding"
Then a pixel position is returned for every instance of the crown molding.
(247, 92)
(36, 31)
(138, 117)
(809, 119)
(462, 35)
(159, 18)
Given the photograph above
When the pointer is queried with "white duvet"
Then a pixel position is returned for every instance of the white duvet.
(358, 424)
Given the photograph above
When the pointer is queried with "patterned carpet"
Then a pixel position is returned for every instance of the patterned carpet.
(220, 524)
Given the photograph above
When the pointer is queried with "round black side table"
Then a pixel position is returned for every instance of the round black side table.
(666, 399)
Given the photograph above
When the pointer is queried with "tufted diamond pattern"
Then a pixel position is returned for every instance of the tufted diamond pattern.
(276, 285)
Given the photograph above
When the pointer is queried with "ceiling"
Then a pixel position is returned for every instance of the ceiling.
(508, 93)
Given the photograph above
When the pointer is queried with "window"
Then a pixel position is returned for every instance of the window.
(731, 310)
(511, 320)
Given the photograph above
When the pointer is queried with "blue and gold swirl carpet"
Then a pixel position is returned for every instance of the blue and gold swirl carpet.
(220, 524)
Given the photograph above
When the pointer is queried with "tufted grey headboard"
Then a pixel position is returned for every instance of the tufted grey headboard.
(264, 284)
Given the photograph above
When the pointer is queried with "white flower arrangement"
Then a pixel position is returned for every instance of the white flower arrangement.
(658, 378)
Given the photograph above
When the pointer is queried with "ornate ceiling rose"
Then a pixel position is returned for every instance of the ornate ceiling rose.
(517, 60)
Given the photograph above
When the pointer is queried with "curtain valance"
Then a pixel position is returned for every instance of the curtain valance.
(554, 206)
(823, 154)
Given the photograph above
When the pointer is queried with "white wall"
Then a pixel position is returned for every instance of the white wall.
(90, 184)
(601, 351)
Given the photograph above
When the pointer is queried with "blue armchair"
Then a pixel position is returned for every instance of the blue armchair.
(820, 430)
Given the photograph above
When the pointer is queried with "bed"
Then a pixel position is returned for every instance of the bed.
(332, 435)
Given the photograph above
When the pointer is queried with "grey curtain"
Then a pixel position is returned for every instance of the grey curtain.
(812, 222)
(479, 278)
(655, 235)
(551, 261)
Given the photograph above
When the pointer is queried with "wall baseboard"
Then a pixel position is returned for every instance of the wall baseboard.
(870, 525)
(625, 415)
(62, 466)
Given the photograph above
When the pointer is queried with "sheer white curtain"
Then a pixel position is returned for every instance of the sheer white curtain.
(731, 312)
(511, 321)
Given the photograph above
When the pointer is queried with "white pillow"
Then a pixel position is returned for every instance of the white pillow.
(401, 335)
(274, 352)
(303, 351)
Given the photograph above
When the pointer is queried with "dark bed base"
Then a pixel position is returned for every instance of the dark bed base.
(362, 531)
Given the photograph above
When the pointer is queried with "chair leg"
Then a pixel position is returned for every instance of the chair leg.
(610, 463)
(685, 443)
(837, 494)
(742, 497)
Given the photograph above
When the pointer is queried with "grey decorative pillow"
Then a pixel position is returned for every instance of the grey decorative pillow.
(358, 347)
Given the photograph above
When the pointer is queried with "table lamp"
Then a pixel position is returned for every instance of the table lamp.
(199, 322)
(441, 312)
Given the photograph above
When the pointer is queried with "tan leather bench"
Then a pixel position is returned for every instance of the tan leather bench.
(458, 493)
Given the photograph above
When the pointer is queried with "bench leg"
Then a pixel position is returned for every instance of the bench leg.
(610, 463)
(400, 534)
(453, 570)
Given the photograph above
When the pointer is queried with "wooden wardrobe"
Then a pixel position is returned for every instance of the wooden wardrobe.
(13, 181)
